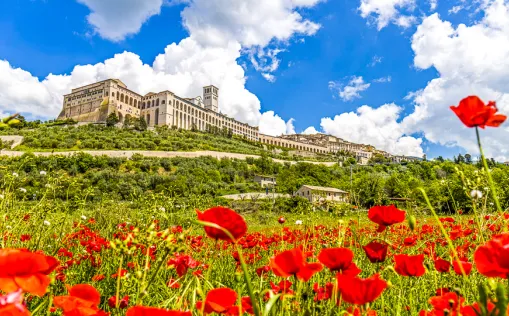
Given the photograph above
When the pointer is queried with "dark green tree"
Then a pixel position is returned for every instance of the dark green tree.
(112, 119)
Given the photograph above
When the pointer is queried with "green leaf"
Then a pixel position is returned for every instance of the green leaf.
(483, 298)
(270, 304)
(501, 300)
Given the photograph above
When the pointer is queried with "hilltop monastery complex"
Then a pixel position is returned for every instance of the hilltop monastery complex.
(94, 102)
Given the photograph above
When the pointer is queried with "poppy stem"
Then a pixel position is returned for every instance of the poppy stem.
(487, 169)
(444, 233)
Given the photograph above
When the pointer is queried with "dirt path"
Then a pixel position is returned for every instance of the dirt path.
(157, 154)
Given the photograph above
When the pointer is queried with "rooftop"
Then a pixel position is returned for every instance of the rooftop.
(317, 188)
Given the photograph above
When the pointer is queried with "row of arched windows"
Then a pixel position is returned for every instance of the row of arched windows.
(293, 146)
(126, 99)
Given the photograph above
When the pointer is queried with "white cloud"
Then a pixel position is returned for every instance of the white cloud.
(455, 9)
(310, 130)
(116, 19)
(290, 129)
(470, 60)
(250, 22)
(220, 31)
(383, 79)
(405, 21)
(433, 5)
(379, 127)
(384, 12)
(273, 125)
(376, 60)
(351, 90)
(269, 77)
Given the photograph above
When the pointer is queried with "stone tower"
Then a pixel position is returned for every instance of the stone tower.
(211, 98)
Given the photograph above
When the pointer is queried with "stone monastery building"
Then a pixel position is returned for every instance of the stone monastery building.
(94, 102)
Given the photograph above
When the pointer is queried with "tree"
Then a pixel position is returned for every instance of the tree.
(440, 158)
(142, 124)
(112, 119)
(468, 158)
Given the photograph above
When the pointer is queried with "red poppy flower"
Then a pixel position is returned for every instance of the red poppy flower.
(247, 306)
(293, 262)
(323, 293)
(445, 303)
(154, 311)
(182, 263)
(407, 265)
(467, 267)
(83, 299)
(385, 216)
(12, 304)
(442, 265)
(473, 112)
(492, 259)
(123, 302)
(339, 259)
(355, 290)
(21, 269)
(219, 301)
(376, 251)
(227, 219)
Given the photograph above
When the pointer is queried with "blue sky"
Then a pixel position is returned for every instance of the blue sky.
(347, 41)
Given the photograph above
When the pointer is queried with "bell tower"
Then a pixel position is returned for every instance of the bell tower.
(211, 98)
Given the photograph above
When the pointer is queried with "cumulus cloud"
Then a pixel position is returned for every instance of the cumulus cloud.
(116, 19)
(470, 60)
(310, 130)
(273, 125)
(351, 90)
(290, 129)
(250, 22)
(220, 31)
(380, 127)
(388, 11)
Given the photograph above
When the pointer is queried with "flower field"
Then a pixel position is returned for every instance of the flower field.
(159, 261)
(348, 266)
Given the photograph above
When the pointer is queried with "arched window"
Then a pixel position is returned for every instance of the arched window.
(157, 104)
(143, 106)
(135, 103)
(112, 94)
(122, 97)
(163, 102)
(118, 96)
(131, 101)
(153, 103)
(156, 118)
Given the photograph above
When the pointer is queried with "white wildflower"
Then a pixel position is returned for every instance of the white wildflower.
(298, 222)
(46, 223)
(47, 185)
(8, 227)
(23, 190)
(476, 194)
(83, 217)
(162, 209)
(14, 174)
(1, 196)
(42, 173)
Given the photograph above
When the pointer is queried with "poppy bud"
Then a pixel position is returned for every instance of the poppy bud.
(281, 220)
(238, 276)
(411, 222)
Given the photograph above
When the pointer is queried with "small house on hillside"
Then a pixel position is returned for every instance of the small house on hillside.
(315, 194)
(265, 181)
